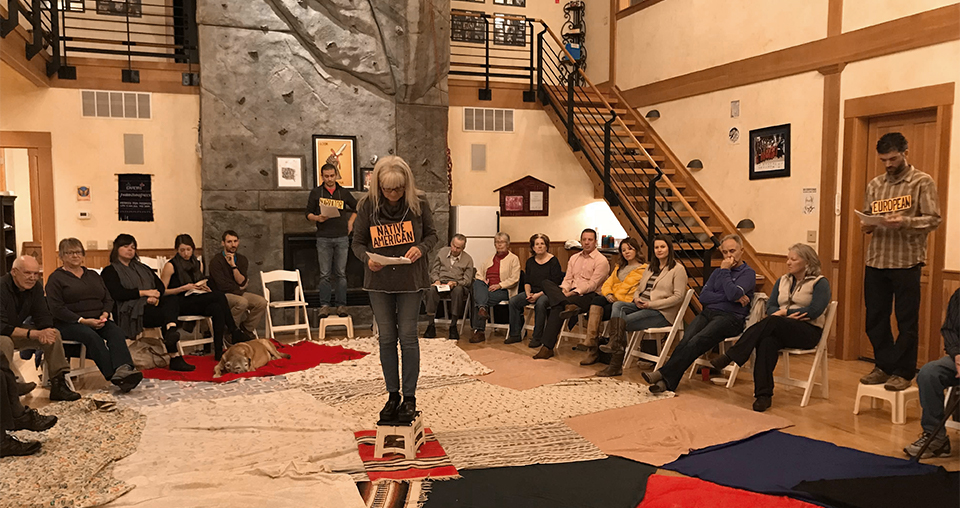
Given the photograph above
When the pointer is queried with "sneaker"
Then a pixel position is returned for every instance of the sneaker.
(430, 332)
(126, 378)
(33, 420)
(940, 447)
(897, 384)
(178, 364)
(875, 377)
(13, 447)
(342, 311)
(325, 311)
(762, 403)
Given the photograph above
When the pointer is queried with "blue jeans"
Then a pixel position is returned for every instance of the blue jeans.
(107, 347)
(932, 380)
(637, 318)
(332, 253)
(517, 305)
(396, 315)
(708, 329)
(482, 297)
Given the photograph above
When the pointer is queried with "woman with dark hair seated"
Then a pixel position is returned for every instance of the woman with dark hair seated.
(140, 299)
(81, 306)
(796, 311)
(541, 266)
(619, 287)
(183, 276)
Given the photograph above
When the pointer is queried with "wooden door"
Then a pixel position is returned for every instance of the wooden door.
(920, 129)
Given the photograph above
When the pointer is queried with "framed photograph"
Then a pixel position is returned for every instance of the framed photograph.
(509, 32)
(341, 151)
(131, 8)
(512, 3)
(466, 28)
(365, 175)
(289, 170)
(770, 152)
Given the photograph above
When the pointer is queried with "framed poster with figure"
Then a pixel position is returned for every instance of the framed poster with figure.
(770, 152)
(341, 151)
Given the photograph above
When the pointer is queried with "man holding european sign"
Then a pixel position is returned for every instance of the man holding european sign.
(393, 234)
(900, 209)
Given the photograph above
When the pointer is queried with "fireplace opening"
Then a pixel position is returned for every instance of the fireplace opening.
(300, 252)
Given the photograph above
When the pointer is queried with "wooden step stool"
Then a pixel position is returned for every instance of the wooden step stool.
(898, 400)
(336, 321)
(395, 437)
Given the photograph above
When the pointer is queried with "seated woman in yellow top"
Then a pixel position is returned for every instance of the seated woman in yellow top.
(619, 287)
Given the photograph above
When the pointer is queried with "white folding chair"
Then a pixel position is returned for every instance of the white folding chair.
(664, 336)
(493, 325)
(155, 264)
(298, 303)
(951, 424)
(197, 338)
(73, 373)
(819, 362)
(446, 302)
(733, 369)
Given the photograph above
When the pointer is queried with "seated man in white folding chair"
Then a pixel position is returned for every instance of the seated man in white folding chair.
(454, 269)
(228, 274)
(933, 379)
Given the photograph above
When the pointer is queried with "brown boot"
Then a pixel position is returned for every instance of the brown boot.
(543, 354)
(594, 318)
(593, 354)
(618, 336)
(616, 366)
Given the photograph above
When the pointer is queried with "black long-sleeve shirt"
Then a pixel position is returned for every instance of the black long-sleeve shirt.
(121, 294)
(951, 326)
(18, 306)
(341, 198)
(70, 297)
(536, 273)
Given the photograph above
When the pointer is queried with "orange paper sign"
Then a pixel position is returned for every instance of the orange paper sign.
(336, 203)
(388, 235)
(891, 205)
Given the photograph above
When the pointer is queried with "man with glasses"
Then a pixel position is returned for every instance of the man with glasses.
(26, 323)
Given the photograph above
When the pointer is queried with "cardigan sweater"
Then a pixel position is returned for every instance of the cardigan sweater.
(509, 272)
(668, 290)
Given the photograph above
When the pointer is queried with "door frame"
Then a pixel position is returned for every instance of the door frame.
(42, 188)
(857, 115)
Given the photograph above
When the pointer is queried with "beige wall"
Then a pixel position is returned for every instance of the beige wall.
(698, 127)
(89, 151)
(932, 65)
(18, 181)
(536, 149)
(681, 36)
(863, 13)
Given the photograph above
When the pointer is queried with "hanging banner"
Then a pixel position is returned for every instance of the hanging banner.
(135, 201)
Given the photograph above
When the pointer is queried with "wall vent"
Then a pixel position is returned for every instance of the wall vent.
(106, 104)
(487, 120)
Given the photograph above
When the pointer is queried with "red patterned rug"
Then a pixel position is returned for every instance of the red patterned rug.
(431, 461)
(303, 355)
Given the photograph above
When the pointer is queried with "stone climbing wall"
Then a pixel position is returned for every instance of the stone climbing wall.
(276, 72)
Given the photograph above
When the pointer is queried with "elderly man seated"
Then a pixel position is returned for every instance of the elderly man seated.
(26, 323)
(452, 270)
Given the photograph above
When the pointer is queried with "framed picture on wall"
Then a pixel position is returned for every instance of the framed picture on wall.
(126, 8)
(289, 171)
(365, 175)
(770, 152)
(341, 151)
(511, 3)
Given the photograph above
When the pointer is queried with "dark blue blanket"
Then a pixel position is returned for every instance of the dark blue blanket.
(774, 463)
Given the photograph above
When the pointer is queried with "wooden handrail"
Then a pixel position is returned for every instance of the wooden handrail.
(619, 120)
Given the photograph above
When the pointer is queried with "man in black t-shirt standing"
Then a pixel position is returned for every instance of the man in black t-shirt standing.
(333, 209)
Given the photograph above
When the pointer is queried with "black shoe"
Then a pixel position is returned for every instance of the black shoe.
(178, 364)
(25, 388)
(126, 378)
(170, 337)
(389, 411)
(762, 403)
(720, 362)
(658, 387)
(12, 447)
(59, 390)
(33, 420)
(511, 340)
(453, 333)
(250, 335)
(408, 410)
(534, 344)
(237, 336)
(430, 332)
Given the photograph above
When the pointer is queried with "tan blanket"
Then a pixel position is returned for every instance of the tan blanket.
(662, 431)
(522, 372)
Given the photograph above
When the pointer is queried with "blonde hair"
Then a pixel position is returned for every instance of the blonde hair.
(809, 255)
(394, 172)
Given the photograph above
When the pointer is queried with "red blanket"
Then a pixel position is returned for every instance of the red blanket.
(303, 355)
(672, 492)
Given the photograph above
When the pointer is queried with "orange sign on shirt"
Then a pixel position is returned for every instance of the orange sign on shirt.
(388, 235)
(336, 203)
(891, 205)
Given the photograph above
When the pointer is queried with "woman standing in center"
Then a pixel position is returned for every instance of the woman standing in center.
(394, 220)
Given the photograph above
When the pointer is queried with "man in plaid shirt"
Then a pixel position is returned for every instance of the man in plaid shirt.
(906, 198)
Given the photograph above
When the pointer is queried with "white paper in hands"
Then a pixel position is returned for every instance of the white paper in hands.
(385, 260)
(329, 211)
(442, 288)
(201, 288)
(870, 220)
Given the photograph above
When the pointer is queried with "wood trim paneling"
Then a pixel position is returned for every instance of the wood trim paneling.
(834, 18)
(938, 305)
(39, 143)
(612, 72)
(105, 74)
(829, 155)
(637, 7)
(910, 32)
(850, 279)
(463, 92)
(901, 101)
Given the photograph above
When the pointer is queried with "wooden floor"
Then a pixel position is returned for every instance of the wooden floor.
(828, 420)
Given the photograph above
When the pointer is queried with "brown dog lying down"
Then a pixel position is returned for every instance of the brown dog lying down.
(247, 356)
